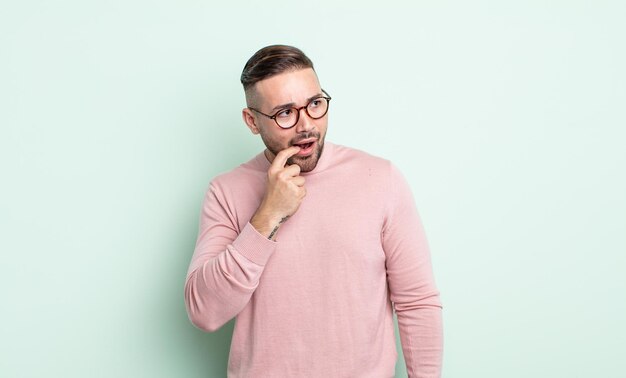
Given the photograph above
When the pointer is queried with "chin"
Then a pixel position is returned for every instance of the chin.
(307, 164)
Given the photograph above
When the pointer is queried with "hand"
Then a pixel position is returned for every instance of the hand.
(283, 196)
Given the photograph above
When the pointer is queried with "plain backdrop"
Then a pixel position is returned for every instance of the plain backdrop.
(506, 117)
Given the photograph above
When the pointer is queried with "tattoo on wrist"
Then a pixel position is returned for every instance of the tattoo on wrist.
(277, 226)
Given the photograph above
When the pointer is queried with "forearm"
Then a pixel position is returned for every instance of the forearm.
(267, 223)
(421, 335)
(219, 286)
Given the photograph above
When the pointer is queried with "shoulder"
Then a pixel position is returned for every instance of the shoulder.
(248, 174)
(354, 158)
(375, 170)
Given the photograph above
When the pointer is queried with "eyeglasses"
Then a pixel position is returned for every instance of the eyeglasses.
(288, 117)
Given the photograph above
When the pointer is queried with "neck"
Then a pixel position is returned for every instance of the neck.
(268, 156)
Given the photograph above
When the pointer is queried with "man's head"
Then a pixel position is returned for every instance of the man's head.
(277, 79)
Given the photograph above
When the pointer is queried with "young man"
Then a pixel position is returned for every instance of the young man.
(311, 245)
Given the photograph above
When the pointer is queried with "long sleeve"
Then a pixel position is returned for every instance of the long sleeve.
(411, 282)
(226, 265)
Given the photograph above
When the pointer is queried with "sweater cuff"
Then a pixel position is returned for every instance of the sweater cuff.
(254, 246)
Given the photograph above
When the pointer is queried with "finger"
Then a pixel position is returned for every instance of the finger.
(292, 170)
(298, 180)
(281, 158)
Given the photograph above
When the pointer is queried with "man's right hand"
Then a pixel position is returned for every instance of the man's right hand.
(283, 196)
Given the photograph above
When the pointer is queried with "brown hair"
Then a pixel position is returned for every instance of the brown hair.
(272, 60)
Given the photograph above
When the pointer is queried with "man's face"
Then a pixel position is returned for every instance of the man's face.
(289, 89)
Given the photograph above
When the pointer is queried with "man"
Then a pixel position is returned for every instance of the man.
(311, 244)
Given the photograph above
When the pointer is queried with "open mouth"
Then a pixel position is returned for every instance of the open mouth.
(305, 148)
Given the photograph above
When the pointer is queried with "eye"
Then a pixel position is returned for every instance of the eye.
(284, 113)
(315, 103)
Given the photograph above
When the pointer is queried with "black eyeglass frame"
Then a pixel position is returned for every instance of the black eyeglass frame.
(305, 107)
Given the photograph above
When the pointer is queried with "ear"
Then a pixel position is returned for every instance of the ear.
(250, 120)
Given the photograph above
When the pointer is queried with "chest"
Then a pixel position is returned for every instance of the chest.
(335, 232)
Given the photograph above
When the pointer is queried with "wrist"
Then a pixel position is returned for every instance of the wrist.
(267, 224)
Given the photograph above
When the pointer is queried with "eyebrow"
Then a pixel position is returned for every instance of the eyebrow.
(293, 104)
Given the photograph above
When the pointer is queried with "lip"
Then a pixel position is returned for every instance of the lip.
(305, 141)
(308, 151)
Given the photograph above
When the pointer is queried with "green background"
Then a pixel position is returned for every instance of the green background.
(507, 118)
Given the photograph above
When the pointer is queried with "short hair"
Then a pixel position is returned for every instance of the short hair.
(273, 60)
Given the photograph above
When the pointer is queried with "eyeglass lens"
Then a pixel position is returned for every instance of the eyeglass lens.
(316, 109)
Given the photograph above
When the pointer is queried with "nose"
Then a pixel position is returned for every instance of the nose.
(305, 123)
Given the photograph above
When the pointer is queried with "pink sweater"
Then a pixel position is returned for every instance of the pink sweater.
(317, 302)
